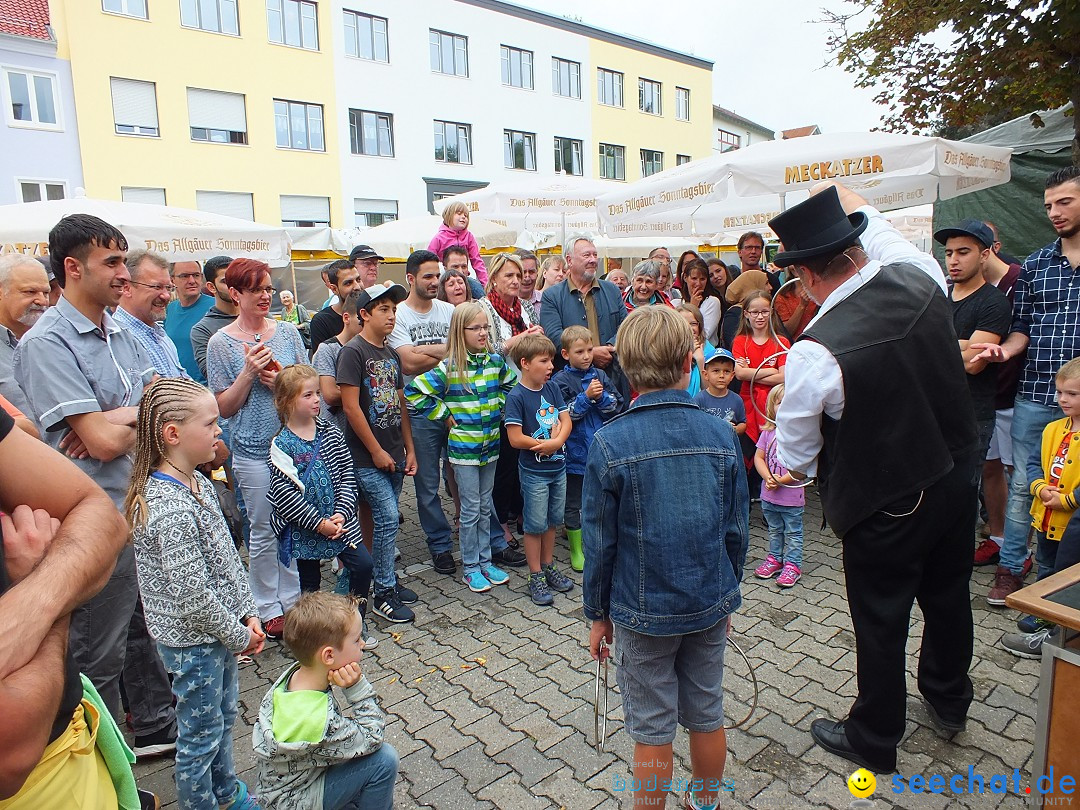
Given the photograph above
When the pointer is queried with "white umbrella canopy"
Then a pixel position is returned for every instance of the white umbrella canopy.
(714, 195)
(178, 234)
(397, 239)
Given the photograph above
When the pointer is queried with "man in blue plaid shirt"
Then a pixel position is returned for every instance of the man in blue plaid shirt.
(1046, 328)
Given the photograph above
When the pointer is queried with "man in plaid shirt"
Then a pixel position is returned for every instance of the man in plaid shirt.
(1046, 330)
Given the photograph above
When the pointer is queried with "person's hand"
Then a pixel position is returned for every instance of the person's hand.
(328, 529)
(1049, 497)
(337, 518)
(451, 422)
(256, 636)
(221, 453)
(383, 461)
(256, 358)
(267, 377)
(410, 464)
(345, 676)
(603, 355)
(848, 198)
(602, 630)
(697, 298)
(535, 329)
(74, 446)
(771, 483)
(595, 390)
(990, 352)
(28, 533)
(547, 447)
(123, 417)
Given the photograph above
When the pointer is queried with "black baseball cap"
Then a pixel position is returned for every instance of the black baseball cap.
(363, 252)
(969, 227)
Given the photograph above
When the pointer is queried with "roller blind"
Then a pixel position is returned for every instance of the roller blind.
(229, 203)
(370, 206)
(151, 196)
(213, 109)
(296, 208)
(134, 103)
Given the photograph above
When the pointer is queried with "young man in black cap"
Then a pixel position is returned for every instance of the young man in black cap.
(877, 406)
(343, 278)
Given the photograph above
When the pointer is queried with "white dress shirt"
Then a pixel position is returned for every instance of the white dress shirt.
(813, 382)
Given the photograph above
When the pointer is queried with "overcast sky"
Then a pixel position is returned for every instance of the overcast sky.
(768, 54)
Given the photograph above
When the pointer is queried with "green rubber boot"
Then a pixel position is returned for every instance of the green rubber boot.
(577, 558)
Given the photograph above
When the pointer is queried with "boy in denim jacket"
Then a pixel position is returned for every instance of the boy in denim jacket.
(669, 649)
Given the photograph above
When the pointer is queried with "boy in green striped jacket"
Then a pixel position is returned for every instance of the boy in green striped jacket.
(467, 391)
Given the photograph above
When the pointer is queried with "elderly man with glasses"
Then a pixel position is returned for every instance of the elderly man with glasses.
(142, 309)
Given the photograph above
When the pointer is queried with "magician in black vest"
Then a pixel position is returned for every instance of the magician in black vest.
(896, 470)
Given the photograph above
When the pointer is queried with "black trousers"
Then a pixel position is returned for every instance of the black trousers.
(890, 563)
(506, 493)
(357, 562)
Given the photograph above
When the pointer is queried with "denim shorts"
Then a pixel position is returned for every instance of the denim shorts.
(668, 681)
(544, 496)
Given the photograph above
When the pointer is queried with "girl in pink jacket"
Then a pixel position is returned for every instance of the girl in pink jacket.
(455, 231)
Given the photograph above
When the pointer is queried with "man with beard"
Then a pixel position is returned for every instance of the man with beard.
(24, 296)
(221, 314)
(142, 309)
(583, 299)
(1046, 331)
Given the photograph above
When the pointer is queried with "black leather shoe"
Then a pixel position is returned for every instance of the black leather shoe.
(829, 734)
(444, 563)
(515, 559)
(949, 728)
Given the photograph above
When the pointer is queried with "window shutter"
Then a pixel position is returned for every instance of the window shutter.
(134, 103)
(212, 109)
(230, 203)
(151, 196)
(296, 208)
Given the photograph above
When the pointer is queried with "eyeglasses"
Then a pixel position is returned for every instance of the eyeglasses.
(758, 313)
(260, 290)
(187, 276)
(158, 288)
(477, 328)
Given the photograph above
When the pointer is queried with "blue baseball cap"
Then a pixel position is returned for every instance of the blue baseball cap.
(718, 354)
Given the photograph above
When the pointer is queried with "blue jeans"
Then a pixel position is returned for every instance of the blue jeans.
(474, 489)
(205, 685)
(544, 496)
(1046, 552)
(429, 444)
(785, 531)
(364, 783)
(1029, 420)
(381, 490)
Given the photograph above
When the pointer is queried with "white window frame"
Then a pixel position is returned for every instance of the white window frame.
(618, 156)
(682, 104)
(356, 132)
(528, 145)
(577, 151)
(307, 124)
(458, 127)
(643, 83)
(601, 87)
(456, 41)
(41, 184)
(653, 157)
(33, 123)
(507, 53)
(352, 37)
(681, 159)
(199, 25)
(126, 9)
(279, 7)
(137, 130)
(573, 78)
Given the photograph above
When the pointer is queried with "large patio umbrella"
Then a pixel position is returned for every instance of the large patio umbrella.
(178, 234)
(743, 189)
(397, 239)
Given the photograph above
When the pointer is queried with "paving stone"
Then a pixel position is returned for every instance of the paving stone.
(530, 764)
(478, 768)
(509, 792)
(493, 733)
(422, 771)
(444, 739)
(451, 795)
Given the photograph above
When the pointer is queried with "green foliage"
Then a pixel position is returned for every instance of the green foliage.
(950, 65)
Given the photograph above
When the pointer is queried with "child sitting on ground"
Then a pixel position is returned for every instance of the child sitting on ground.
(537, 423)
(669, 578)
(311, 755)
(781, 502)
(715, 398)
(592, 400)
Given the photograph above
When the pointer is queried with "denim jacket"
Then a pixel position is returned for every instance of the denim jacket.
(658, 566)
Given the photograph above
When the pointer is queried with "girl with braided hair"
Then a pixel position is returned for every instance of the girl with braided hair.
(195, 591)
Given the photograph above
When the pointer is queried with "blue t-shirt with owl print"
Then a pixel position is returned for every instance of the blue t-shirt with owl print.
(538, 414)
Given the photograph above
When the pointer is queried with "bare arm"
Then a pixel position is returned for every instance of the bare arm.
(973, 360)
(82, 554)
(105, 434)
(328, 387)
(1015, 343)
(519, 439)
(420, 359)
(29, 701)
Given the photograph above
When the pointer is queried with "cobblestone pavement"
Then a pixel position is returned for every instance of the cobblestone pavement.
(489, 699)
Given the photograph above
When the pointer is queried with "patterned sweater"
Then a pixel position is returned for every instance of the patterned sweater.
(476, 404)
(194, 587)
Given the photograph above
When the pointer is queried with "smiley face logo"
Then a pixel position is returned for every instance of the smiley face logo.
(862, 784)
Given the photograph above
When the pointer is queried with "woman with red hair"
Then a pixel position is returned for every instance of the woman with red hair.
(242, 362)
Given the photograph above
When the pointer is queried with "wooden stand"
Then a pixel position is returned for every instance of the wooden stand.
(1057, 728)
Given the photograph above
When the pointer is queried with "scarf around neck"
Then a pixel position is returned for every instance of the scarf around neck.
(511, 313)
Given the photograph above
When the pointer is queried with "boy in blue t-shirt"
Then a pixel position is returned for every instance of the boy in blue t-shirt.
(715, 398)
(537, 423)
(592, 399)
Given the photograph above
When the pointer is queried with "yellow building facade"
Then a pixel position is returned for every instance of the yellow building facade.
(125, 56)
(678, 127)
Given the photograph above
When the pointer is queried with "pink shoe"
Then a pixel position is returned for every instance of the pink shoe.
(789, 576)
(768, 569)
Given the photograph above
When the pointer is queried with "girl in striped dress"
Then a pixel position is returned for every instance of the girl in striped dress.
(313, 488)
(467, 391)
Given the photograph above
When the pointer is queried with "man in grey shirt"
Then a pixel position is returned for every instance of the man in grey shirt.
(24, 297)
(83, 376)
(221, 314)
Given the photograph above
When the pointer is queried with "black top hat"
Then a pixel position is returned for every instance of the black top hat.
(818, 226)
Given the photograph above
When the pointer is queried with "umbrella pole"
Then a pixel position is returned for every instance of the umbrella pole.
(296, 290)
